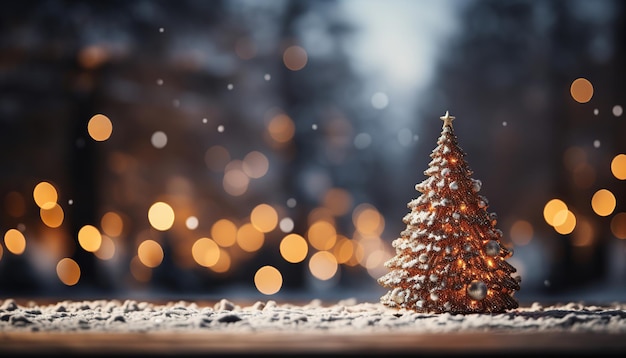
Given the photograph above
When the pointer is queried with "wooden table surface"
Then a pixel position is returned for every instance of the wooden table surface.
(211, 343)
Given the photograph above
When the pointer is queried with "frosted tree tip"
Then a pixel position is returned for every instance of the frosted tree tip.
(447, 119)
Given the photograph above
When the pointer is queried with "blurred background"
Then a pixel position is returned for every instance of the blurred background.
(268, 148)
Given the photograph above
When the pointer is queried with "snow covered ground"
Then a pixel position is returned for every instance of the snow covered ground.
(343, 316)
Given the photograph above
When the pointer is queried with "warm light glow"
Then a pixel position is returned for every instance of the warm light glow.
(45, 195)
(293, 248)
(1, 251)
(223, 262)
(584, 233)
(268, 280)
(255, 164)
(235, 181)
(295, 58)
(224, 232)
(618, 166)
(89, 238)
(323, 265)
(521, 232)
(206, 252)
(618, 225)
(264, 218)
(150, 253)
(15, 241)
(343, 250)
(581, 90)
(139, 271)
(100, 127)
(555, 212)
(603, 202)
(322, 235)
(52, 217)
(320, 214)
(112, 224)
(367, 220)
(216, 158)
(106, 250)
(338, 201)
(249, 238)
(161, 216)
(568, 225)
(281, 128)
(68, 271)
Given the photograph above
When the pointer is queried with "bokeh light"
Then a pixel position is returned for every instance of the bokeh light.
(617, 110)
(192, 223)
(15, 241)
(555, 212)
(323, 265)
(286, 225)
(45, 195)
(603, 202)
(89, 238)
(618, 166)
(322, 235)
(293, 248)
(568, 225)
(224, 232)
(112, 224)
(268, 280)
(367, 220)
(106, 251)
(139, 271)
(264, 218)
(295, 58)
(205, 252)
(281, 128)
(68, 271)
(343, 250)
(255, 164)
(521, 232)
(158, 139)
(235, 180)
(618, 225)
(100, 127)
(581, 90)
(223, 263)
(52, 217)
(338, 201)
(249, 238)
(161, 216)
(584, 233)
(150, 253)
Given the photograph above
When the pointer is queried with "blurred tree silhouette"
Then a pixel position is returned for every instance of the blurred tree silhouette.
(507, 78)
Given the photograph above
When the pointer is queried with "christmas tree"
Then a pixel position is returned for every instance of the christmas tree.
(450, 257)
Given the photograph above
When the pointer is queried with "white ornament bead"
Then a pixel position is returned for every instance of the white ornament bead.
(434, 278)
(423, 258)
(492, 248)
(434, 296)
(477, 290)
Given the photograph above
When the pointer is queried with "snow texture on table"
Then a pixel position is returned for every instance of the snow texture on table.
(345, 316)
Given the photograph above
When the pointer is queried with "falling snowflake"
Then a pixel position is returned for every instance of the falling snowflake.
(230, 86)
(267, 77)
(220, 128)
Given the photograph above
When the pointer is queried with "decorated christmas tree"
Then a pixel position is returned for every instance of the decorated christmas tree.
(450, 257)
